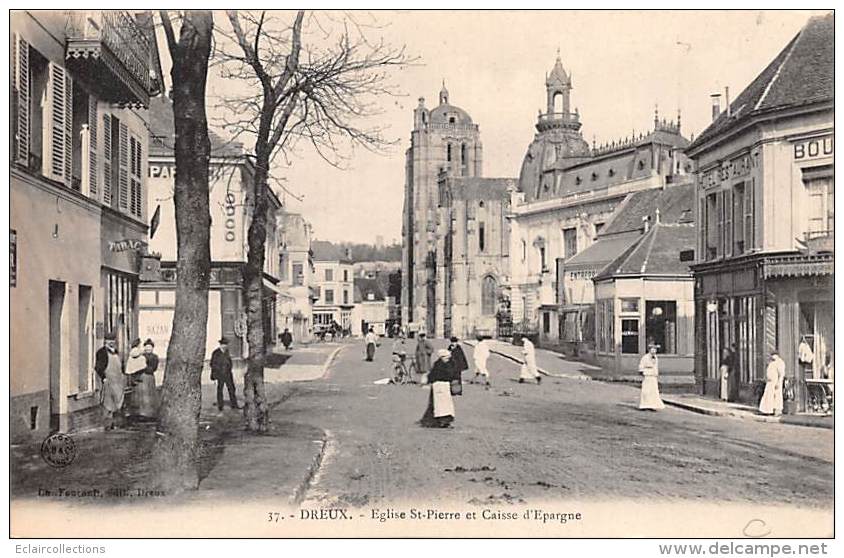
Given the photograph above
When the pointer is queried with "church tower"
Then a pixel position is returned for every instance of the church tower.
(443, 140)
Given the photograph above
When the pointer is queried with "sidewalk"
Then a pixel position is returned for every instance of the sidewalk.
(718, 408)
(234, 463)
(556, 365)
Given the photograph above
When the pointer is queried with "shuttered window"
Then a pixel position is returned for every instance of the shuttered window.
(93, 168)
(728, 222)
(20, 65)
(60, 122)
(123, 172)
(135, 182)
(107, 160)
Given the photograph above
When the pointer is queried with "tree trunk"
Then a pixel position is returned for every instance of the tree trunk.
(176, 452)
(257, 413)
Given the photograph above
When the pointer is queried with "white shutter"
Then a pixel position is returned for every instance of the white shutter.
(107, 176)
(93, 123)
(135, 176)
(123, 171)
(68, 133)
(21, 75)
(55, 124)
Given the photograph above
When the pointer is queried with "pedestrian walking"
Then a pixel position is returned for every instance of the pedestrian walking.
(529, 371)
(371, 340)
(649, 369)
(424, 350)
(480, 356)
(772, 399)
(221, 372)
(109, 369)
(459, 362)
(440, 410)
(286, 339)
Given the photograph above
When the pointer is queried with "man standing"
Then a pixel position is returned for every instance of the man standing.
(286, 339)
(424, 350)
(480, 355)
(221, 371)
(109, 368)
(458, 359)
(529, 371)
(370, 339)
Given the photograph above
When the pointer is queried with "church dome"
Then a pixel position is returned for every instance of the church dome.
(549, 151)
(450, 114)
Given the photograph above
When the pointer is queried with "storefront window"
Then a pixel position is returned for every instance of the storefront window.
(629, 336)
(661, 325)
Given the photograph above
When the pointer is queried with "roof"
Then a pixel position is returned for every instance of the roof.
(477, 188)
(801, 74)
(442, 113)
(365, 286)
(325, 251)
(675, 204)
(604, 250)
(656, 253)
(558, 74)
(162, 132)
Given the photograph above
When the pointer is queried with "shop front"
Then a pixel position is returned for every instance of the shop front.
(759, 304)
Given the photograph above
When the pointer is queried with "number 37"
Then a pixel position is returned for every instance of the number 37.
(273, 517)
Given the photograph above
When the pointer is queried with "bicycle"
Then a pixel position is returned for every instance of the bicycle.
(402, 373)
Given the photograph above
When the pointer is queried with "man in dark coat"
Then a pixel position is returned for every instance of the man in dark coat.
(221, 372)
(458, 359)
(286, 339)
(424, 350)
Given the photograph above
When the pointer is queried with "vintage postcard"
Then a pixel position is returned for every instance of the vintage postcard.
(560, 274)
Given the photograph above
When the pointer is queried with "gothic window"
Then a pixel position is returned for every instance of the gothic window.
(481, 237)
(577, 180)
(611, 173)
(594, 176)
(489, 295)
(448, 153)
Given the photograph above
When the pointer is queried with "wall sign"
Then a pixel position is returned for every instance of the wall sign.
(814, 147)
(135, 244)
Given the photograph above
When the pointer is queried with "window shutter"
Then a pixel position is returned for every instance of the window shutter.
(21, 68)
(107, 176)
(749, 210)
(68, 132)
(57, 114)
(135, 176)
(719, 231)
(93, 123)
(728, 222)
(123, 171)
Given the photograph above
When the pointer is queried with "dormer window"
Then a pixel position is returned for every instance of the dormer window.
(611, 173)
(577, 180)
(451, 120)
(594, 176)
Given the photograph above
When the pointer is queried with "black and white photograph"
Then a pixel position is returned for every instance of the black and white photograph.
(563, 274)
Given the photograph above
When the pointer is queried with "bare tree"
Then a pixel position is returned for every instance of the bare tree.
(311, 80)
(176, 455)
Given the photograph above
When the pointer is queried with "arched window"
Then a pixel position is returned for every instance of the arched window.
(489, 295)
(558, 103)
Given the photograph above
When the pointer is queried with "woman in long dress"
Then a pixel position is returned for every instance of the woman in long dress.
(145, 390)
(649, 368)
(440, 410)
(771, 403)
(135, 366)
(528, 370)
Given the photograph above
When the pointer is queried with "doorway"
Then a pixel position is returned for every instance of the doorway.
(56, 310)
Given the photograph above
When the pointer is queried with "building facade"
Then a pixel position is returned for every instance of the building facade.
(444, 139)
(567, 193)
(765, 210)
(296, 277)
(472, 254)
(81, 86)
(334, 282)
(371, 307)
(231, 186)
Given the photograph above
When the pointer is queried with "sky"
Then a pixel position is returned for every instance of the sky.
(624, 64)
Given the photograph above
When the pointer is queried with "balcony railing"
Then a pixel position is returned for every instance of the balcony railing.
(115, 40)
(820, 241)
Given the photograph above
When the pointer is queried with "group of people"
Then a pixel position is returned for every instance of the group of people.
(135, 377)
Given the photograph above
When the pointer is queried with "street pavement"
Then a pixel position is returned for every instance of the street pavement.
(563, 439)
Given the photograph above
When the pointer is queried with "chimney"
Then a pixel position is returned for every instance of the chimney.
(716, 105)
(727, 100)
